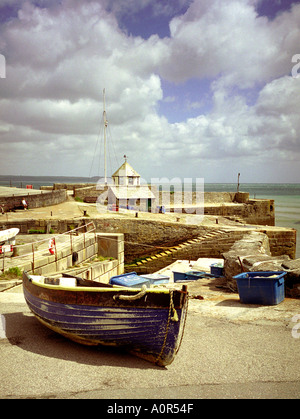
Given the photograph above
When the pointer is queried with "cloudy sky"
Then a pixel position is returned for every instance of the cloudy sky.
(194, 88)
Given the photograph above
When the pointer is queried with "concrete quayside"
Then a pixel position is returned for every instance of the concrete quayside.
(229, 350)
(149, 241)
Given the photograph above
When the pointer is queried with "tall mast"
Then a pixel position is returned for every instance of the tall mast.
(105, 126)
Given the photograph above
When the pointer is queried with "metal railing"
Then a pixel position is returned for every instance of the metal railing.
(55, 244)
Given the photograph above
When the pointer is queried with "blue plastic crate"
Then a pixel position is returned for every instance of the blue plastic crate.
(179, 276)
(156, 278)
(188, 276)
(216, 269)
(263, 288)
(131, 280)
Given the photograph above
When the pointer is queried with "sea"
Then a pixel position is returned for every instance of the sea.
(285, 195)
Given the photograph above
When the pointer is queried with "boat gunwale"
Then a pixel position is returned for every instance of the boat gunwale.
(98, 289)
(169, 346)
(110, 297)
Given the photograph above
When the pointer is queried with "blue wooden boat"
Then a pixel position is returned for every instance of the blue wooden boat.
(146, 322)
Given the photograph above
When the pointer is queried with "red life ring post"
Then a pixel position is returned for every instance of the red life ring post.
(52, 246)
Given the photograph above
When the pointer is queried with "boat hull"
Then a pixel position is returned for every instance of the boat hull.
(150, 326)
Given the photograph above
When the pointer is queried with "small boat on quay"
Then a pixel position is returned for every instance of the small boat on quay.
(147, 322)
(8, 236)
(8, 240)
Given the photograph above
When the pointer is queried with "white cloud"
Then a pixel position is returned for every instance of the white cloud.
(59, 60)
(60, 57)
(228, 39)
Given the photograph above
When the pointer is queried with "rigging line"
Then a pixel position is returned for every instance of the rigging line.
(96, 148)
(100, 155)
(113, 146)
(108, 153)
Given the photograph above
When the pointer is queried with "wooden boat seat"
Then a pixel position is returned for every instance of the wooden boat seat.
(63, 282)
(68, 281)
(87, 282)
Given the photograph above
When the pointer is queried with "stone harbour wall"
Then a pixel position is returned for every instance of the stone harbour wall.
(213, 243)
(67, 186)
(146, 237)
(43, 199)
(227, 204)
(255, 211)
(89, 193)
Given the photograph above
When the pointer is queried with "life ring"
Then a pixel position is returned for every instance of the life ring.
(52, 246)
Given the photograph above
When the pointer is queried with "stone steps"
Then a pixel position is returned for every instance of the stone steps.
(189, 249)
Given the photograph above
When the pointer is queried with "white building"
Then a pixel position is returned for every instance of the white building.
(126, 190)
(126, 176)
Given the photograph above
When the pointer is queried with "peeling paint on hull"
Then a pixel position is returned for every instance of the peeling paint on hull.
(143, 327)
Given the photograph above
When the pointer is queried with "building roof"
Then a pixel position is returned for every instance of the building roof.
(126, 171)
(132, 192)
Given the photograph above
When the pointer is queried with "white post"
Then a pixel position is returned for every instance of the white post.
(105, 126)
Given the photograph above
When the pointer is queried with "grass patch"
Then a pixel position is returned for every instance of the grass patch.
(11, 273)
(102, 258)
(35, 231)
